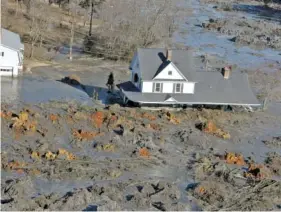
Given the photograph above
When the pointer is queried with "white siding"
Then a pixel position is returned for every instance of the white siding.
(188, 87)
(168, 87)
(11, 60)
(147, 87)
(164, 74)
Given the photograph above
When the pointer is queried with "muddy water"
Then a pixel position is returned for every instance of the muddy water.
(31, 89)
(190, 34)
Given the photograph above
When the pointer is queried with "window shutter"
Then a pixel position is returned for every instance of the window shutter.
(161, 87)
(174, 88)
(153, 89)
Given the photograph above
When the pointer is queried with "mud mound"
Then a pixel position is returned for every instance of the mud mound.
(275, 142)
(248, 32)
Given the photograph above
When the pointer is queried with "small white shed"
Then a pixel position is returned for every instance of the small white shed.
(11, 53)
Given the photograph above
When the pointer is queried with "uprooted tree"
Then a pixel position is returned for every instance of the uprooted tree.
(131, 24)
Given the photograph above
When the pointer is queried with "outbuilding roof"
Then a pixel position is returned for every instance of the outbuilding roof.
(11, 40)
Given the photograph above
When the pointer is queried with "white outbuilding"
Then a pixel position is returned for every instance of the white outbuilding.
(11, 53)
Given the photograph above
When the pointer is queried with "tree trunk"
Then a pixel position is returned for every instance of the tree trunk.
(91, 19)
(17, 7)
(32, 50)
(71, 40)
(41, 41)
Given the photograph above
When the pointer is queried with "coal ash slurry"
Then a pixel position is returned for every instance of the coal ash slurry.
(34, 89)
(216, 44)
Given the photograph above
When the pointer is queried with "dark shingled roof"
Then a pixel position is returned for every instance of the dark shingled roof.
(11, 40)
(152, 61)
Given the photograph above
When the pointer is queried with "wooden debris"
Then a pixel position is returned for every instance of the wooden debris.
(69, 156)
(98, 119)
(154, 126)
(54, 118)
(35, 155)
(50, 156)
(109, 148)
(22, 123)
(201, 190)
(257, 172)
(15, 165)
(143, 152)
(6, 115)
(232, 158)
(148, 116)
(211, 128)
(84, 135)
(172, 118)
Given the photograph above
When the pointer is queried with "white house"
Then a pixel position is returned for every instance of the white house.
(170, 77)
(11, 53)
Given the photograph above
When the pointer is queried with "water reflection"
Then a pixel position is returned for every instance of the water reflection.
(10, 89)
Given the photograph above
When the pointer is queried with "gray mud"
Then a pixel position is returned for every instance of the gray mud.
(108, 172)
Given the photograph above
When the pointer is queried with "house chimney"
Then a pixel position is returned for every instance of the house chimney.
(226, 71)
(169, 54)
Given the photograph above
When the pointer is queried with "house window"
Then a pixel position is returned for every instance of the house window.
(178, 87)
(157, 87)
(2, 54)
(170, 73)
(6, 70)
(136, 78)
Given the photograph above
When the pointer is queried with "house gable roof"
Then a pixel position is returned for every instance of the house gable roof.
(11, 40)
(171, 66)
(153, 61)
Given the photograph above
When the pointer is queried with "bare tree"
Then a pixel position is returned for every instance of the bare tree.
(73, 8)
(131, 24)
(38, 23)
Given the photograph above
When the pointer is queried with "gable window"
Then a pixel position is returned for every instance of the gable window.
(157, 87)
(2, 54)
(136, 78)
(170, 73)
(178, 87)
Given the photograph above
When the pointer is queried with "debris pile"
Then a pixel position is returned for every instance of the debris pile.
(154, 126)
(98, 119)
(82, 135)
(22, 123)
(54, 118)
(148, 116)
(211, 128)
(106, 147)
(72, 80)
(172, 118)
(257, 172)
(143, 152)
(233, 158)
(6, 114)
